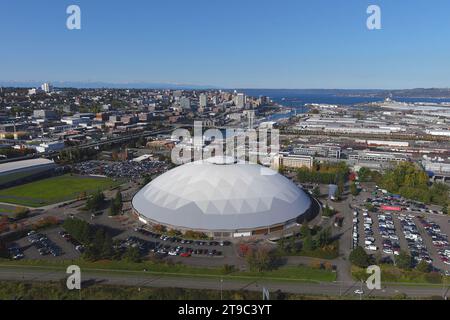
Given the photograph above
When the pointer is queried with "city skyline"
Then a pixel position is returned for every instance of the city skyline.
(288, 45)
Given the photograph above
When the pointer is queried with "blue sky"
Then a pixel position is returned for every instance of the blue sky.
(232, 44)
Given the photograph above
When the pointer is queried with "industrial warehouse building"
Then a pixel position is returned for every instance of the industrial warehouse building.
(26, 170)
(222, 197)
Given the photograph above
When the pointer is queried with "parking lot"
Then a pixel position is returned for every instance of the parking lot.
(394, 224)
(122, 169)
(46, 245)
(58, 244)
(165, 245)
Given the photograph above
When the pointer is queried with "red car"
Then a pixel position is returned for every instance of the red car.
(185, 254)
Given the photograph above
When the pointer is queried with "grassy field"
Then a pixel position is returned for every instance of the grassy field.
(53, 190)
(288, 273)
(391, 274)
(13, 290)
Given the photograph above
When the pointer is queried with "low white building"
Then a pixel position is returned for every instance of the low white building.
(50, 146)
(292, 161)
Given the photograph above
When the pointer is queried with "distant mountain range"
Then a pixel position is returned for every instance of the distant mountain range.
(435, 93)
(99, 85)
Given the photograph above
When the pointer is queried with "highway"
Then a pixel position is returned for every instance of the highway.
(146, 279)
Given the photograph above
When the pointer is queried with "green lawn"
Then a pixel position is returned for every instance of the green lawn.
(391, 274)
(302, 274)
(53, 190)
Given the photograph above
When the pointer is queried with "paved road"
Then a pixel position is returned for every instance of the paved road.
(142, 279)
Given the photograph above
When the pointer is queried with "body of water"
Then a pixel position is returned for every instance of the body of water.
(298, 98)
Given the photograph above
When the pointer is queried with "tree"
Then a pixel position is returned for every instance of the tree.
(132, 254)
(293, 245)
(309, 243)
(324, 237)
(3, 250)
(141, 142)
(304, 230)
(116, 204)
(370, 207)
(340, 189)
(404, 260)
(328, 212)
(366, 175)
(282, 244)
(260, 259)
(21, 213)
(410, 181)
(147, 179)
(423, 267)
(354, 189)
(174, 233)
(107, 250)
(79, 229)
(445, 209)
(316, 192)
(95, 201)
(359, 257)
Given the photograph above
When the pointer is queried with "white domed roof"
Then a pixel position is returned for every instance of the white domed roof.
(220, 194)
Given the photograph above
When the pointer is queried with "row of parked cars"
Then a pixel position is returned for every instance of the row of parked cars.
(16, 253)
(166, 238)
(183, 251)
(43, 244)
(386, 228)
(355, 229)
(382, 197)
(439, 239)
(369, 240)
(416, 245)
(135, 242)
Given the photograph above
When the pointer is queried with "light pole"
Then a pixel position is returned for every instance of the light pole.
(361, 292)
(221, 289)
(444, 291)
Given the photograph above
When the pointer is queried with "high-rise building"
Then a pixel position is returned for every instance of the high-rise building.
(185, 103)
(239, 100)
(46, 87)
(203, 101)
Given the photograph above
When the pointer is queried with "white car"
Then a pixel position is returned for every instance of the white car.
(358, 291)
(393, 237)
(371, 248)
(388, 251)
